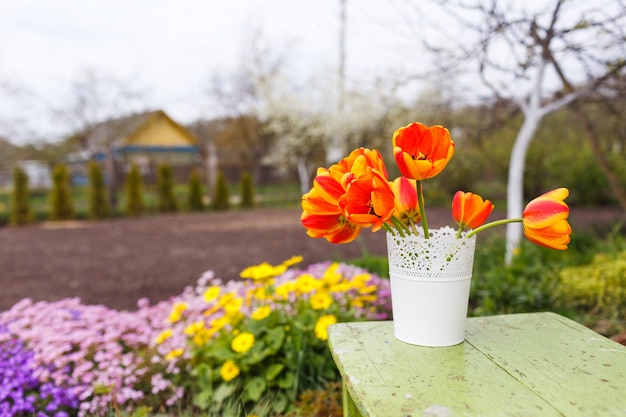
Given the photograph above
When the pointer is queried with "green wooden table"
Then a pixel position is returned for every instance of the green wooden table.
(539, 364)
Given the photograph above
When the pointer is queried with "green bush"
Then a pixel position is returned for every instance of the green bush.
(21, 212)
(165, 189)
(61, 205)
(196, 194)
(246, 186)
(599, 288)
(134, 192)
(99, 207)
(221, 196)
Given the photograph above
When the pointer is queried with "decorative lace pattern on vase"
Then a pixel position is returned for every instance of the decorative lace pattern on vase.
(442, 257)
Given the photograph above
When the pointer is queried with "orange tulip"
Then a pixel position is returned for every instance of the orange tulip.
(422, 152)
(369, 200)
(406, 205)
(545, 220)
(322, 214)
(469, 210)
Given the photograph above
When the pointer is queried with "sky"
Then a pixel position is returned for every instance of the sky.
(169, 49)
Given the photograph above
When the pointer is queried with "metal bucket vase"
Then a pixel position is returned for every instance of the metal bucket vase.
(430, 284)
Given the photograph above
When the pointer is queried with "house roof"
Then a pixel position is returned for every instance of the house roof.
(138, 130)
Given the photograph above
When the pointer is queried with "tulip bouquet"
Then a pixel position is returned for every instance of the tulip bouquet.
(356, 193)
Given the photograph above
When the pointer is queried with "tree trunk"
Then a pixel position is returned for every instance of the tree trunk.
(304, 174)
(515, 186)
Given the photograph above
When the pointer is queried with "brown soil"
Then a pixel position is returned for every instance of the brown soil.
(117, 262)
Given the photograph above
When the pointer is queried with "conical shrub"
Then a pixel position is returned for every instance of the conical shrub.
(194, 202)
(99, 207)
(221, 196)
(134, 192)
(61, 205)
(246, 187)
(165, 189)
(21, 212)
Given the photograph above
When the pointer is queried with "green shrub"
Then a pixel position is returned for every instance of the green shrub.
(599, 288)
(246, 186)
(165, 189)
(196, 194)
(98, 198)
(221, 195)
(61, 205)
(134, 192)
(21, 212)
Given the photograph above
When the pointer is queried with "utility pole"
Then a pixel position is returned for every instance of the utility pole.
(335, 149)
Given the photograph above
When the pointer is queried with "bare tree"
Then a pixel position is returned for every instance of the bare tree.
(542, 56)
(95, 97)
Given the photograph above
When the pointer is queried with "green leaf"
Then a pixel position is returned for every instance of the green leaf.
(202, 399)
(273, 370)
(275, 338)
(280, 403)
(224, 391)
(255, 387)
(286, 381)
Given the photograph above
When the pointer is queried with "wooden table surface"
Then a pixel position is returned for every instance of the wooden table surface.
(538, 364)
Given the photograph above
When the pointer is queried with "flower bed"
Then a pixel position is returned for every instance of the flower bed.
(252, 345)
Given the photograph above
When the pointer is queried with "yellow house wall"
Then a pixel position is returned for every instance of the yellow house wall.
(159, 132)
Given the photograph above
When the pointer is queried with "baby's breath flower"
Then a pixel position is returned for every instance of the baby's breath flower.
(243, 342)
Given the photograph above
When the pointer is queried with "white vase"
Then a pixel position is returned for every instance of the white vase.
(430, 284)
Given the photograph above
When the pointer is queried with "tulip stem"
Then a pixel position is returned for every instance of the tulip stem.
(420, 201)
(492, 224)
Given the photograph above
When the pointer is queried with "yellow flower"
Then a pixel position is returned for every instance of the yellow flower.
(360, 280)
(359, 302)
(306, 283)
(282, 291)
(321, 326)
(261, 312)
(293, 261)
(212, 293)
(331, 276)
(220, 323)
(233, 306)
(194, 328)
(225, 299)
(174, 354)
(262, 271)
(177, 312)
(243, 342)
(203, 336)
(163, 336)
(321, 300)
(229, 370)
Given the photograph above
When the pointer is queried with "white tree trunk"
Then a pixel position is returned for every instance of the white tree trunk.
(304, 174)
(515, 186)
